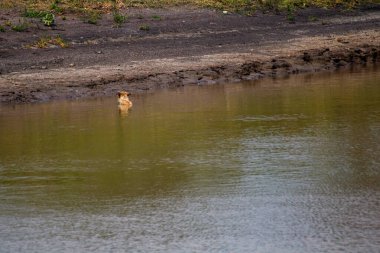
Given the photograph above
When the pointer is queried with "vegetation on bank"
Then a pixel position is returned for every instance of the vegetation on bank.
(80, 6)
(49, 41)
(91, 11)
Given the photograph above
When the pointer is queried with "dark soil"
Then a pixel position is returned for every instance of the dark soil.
(185, 46)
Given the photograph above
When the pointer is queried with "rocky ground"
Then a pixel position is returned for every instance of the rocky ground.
(180, 46)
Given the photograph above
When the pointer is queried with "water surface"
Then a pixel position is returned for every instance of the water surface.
(286, 165)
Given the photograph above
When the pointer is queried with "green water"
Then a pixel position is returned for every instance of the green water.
(286, 165)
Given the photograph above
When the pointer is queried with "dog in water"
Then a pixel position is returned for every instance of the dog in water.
(124, 102)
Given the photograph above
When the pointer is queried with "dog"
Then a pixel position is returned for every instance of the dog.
(124, 103)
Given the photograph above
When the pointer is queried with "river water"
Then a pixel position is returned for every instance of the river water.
(285, 165)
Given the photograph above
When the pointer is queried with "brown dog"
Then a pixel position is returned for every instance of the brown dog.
(124, 102)
(123, 99)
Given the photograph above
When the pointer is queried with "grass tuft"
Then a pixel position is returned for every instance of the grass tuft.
(91, 17)
(49, 41)
(312, 18)
(21, 26)
(31, 13)
(119, 18)
(156, 17)
(144, 27)
(55, 6)
(48, 19)
(240, 6)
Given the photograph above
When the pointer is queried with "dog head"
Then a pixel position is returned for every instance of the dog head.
(123, 94)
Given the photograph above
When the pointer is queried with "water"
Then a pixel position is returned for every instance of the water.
(273, 166)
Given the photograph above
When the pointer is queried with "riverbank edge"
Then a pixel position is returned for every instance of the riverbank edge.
(69, 83)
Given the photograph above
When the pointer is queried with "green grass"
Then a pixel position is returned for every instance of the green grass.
(144, 27)
(48, 41)
(21, 26)
(119, 18)
(312, 18)
(156, 17)
(231, 5)
(31, 13)
(48, 19)
(290, 8)
(2, 29)
(55, 7)
(106, 6)
(91, 17)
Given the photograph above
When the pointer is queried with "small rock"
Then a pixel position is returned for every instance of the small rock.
(275, 65)
(336, 60)
(339, 62)
(341, 40)
(323, 52)
(306, 57)
(99, 52)
(44, 67)
(225, 12)
(374, 54)
(363, 58)
(286, 65)
(71, 65)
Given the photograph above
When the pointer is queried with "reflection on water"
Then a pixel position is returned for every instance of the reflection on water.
(273, 166)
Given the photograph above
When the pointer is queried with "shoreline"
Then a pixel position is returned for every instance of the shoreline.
(169, 56)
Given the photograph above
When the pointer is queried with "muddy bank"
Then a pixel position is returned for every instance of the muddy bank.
(185, 47)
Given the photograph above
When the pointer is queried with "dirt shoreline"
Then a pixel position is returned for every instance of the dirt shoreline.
(186, 46)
